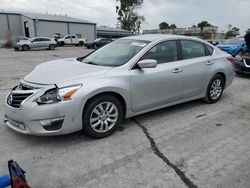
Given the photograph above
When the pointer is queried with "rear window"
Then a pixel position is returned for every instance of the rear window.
(192, 49)
(210, 50)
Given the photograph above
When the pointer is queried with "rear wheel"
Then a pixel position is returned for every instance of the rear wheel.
(61, 43)
(102, 115)
(81, 43)
(215, 89)
(25, 47)
(51, 46)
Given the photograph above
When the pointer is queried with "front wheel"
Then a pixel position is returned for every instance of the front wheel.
(102, 116)
(25, 47)
(215, 89)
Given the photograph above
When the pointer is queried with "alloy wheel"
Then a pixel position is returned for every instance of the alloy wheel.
(104, 117)
(216, 89)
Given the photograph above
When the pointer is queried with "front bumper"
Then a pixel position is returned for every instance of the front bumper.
(17, 47)
(240, 67)
(33, 119)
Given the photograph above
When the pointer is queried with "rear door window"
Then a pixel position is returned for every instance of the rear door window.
(163, 52)
(192, 49)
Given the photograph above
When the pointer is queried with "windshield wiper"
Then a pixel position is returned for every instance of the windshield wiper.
(90, 63)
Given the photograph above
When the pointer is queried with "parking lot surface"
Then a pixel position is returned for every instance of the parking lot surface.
(188, 145)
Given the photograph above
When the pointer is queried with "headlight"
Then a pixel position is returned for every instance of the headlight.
(58, 94)
(239, 58)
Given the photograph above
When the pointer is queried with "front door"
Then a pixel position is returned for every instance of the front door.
(152, 87)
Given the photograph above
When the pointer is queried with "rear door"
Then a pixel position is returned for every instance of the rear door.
(44, 42)
(74, 39)
(152, 87)
(197, 67)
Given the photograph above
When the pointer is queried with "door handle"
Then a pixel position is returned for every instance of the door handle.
(177, 70)
(209, 62)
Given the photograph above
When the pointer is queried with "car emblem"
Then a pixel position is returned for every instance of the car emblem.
(10, 99)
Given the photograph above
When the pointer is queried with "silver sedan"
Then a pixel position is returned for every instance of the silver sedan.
(36, 43)
(127, 77)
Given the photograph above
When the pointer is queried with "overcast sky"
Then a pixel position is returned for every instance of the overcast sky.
(183, 13)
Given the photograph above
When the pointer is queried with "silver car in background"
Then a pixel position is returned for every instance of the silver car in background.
(125, 78)
(36, 43)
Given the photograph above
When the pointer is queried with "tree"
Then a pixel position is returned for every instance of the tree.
(204, 24)
(236, 30)
(172, 26)
(229, 34)
(127, 15)
(233, 32)
(163, 25)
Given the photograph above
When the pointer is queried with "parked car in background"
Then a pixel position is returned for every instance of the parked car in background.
(233, 46)
(125, 78)
(36, 43)
(71, 40)
(98, 43)
(242, 63)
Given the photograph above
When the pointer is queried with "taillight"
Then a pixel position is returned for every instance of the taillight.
(231, 59)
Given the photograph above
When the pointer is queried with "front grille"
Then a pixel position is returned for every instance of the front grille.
(247, 61)
(15, 99)
(19, 94)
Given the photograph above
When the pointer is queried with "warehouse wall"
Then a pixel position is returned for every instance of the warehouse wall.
(86, 30)
(3, 25)
(15, 25)
(47, 28)
(30, 24)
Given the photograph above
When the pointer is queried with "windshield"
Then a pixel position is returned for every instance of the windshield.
(116, 53)
(234, 41)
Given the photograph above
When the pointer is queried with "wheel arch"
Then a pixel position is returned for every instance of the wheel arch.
(222, 75)
(116, 94)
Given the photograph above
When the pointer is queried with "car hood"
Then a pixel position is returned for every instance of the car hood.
(64, 70)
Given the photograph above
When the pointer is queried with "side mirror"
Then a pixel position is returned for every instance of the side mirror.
(147, 63)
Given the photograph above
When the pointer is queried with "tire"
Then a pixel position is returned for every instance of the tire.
(95, 46)
(81, 43)
(51, 47)
(61, 43)
(25, 48)
(215, 89)
(94, 124)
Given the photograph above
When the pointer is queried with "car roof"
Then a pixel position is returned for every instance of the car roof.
(40, 38)
(156, 37)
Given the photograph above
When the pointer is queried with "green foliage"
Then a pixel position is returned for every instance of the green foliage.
(163, 25)
(232, 32)
(229, 34)
(204, 24)
(127, 16)
(172, 26)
